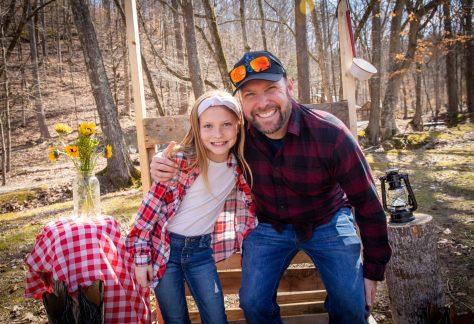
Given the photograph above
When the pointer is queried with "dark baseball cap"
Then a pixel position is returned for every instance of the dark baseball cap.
(274, 72)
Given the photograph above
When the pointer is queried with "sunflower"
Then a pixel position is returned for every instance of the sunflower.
(53, 154)
(72, 151)
(87, 128)
(108, 151)
(62, 129)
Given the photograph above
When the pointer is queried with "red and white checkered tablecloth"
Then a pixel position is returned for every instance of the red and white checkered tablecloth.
(79, 252)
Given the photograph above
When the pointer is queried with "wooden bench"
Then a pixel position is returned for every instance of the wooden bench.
(301, 293)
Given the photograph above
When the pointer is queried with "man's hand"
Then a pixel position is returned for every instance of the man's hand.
(162, 168)
(144, 275)
(370, 290)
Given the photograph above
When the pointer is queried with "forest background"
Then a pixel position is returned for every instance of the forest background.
(66, 61)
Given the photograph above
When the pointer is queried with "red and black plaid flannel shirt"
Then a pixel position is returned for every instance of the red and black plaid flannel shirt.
(319, 169)
(148, 240)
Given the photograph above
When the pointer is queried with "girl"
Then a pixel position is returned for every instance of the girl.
(182, 228)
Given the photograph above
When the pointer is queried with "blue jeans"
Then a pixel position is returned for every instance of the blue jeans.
(335, 250)
(191, 260)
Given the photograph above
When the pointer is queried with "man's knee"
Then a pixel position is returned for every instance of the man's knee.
(346, 308)
(254, 303)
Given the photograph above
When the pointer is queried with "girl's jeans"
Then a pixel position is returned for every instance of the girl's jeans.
(191, 260)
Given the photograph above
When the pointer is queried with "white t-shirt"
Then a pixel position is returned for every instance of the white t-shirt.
(200, 209)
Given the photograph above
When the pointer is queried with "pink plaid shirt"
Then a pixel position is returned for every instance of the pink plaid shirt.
(149, 242)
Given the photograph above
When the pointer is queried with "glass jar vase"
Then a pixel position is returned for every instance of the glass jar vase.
(86, 195)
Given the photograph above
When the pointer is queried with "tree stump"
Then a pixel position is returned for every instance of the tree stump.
(413, 273)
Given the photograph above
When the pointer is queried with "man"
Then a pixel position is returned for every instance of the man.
(308, 171)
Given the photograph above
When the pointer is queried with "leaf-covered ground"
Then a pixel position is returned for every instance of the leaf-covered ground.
(441, 171)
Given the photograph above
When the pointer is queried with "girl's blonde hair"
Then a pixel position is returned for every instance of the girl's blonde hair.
(194, 148)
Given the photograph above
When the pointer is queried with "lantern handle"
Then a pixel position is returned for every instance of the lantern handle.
(411, 196)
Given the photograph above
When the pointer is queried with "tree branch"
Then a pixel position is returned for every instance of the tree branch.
(364, 19)
(162, 61)
(179, 13)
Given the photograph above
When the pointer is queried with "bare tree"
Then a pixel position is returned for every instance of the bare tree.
(373, 129)
(322, 55)
(119, 171)
(451, 76)
(5, 115)
(191, 47)
(36, 91)
(126, 75)
(216, 40)
(417, 121)
(302, 58)
(243, 25)
(399, 63)
(467, 7)
(183, 105)
(262, 24)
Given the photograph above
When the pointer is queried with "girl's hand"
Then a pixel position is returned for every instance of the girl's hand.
(144, 275)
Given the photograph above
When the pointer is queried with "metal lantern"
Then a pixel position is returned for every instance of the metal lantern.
(399, 200)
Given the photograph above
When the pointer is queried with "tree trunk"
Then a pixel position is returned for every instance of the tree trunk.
(322, 56)
(437, 86)
(405, 103)
(23, 86)
(243, 25)
(327, 40)
(451, 75)
(388, 126)
(191, 47)
(36, 91)
(58, 39)
(43, 32)
(374, 83)
(417, 122)
(469, 56)
(4, 153)
(182, 93)
(216, 40)
(302, 58)
(148, 75)
(119, 171)
(262, 24)
(398, 66)
(7, 146)
(126, 75)
(412, 286)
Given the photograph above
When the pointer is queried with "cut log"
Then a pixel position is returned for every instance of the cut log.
(413, 273)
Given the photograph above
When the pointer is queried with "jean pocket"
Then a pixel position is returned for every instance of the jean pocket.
(345, 224)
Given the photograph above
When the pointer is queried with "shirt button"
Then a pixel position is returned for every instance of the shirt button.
(282, 206)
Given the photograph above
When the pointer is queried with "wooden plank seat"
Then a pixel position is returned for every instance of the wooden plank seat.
(301, 291)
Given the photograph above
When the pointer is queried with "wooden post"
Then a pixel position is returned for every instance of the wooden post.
(346, 54)
(133, 43)
(413, 273)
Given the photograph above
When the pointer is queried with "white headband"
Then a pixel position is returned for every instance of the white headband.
(217, 100)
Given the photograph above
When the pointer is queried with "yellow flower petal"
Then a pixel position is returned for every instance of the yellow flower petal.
(108, 151)
(72, 151)
(87, 128)
(62, 129)
(53, 154)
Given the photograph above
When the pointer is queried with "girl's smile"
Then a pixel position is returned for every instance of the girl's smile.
(218, 130)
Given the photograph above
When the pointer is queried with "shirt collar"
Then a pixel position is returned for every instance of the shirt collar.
(294, 123)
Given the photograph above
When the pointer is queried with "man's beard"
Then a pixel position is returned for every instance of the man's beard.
(282, 119)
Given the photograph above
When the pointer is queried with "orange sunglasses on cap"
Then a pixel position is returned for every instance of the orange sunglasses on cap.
(258, 64)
